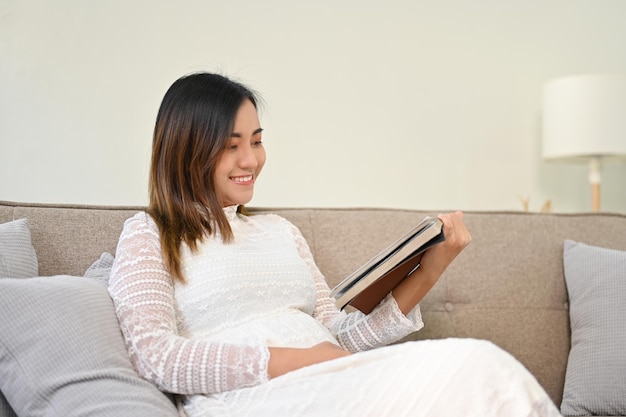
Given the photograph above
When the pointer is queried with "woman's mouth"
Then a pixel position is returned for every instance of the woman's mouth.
(243, 180)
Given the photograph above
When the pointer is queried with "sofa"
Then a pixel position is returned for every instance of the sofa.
(548, 288)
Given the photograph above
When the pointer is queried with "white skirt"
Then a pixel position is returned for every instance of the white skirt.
(449, 377)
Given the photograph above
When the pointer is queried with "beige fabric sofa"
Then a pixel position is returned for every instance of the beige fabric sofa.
(507, 286)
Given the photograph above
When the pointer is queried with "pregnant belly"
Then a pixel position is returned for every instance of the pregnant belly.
(280, 329)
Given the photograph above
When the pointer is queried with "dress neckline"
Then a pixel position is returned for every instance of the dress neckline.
(231, 212)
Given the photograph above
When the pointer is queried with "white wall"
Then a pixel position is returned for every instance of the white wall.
(408, 104)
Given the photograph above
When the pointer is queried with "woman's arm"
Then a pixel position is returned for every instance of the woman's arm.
(398, 314)
(356, 331)
(143, 293)
(283, 360)
(434, 261)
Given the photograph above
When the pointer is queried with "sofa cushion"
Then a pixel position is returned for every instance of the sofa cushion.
(62, 352)
(17, 255)
(595, 381)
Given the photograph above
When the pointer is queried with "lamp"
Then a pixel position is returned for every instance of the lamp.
(584, 120)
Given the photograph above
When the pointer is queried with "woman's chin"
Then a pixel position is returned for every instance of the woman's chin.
(238, 201)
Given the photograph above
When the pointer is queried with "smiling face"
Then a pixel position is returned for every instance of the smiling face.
(241, 162)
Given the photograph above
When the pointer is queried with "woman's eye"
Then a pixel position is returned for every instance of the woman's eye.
(257, 142)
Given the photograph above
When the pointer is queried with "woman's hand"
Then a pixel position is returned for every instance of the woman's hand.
(437, 258)
(434, 262)
(283, 360)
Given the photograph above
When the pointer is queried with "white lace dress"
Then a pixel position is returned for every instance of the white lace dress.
(208, 339)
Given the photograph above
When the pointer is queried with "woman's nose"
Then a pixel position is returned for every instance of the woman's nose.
(247, 157)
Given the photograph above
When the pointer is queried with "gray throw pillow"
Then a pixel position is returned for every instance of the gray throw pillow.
(5, 408)
(595, 381)
(101, 269)
(17, 260)
(62, 352)
(17, 255)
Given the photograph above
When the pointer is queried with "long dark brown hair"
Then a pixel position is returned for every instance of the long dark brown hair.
(193, 127)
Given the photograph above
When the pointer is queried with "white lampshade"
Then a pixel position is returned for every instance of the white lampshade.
(584, 117)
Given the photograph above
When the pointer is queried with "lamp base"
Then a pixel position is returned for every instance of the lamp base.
(595, 197)
(594, 179)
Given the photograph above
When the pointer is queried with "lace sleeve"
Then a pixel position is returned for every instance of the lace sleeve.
(356, 331)
(143, 293)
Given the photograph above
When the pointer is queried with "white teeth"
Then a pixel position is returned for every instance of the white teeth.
(242, 179)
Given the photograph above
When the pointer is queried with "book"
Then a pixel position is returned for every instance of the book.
(368, 285)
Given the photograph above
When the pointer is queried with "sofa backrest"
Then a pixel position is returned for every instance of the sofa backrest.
(507, 286)
(68, 239)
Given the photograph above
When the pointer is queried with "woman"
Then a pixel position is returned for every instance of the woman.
(231, 311)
